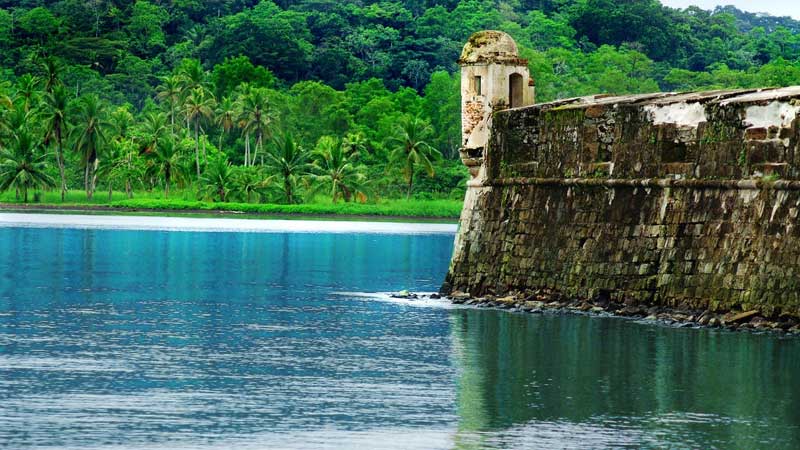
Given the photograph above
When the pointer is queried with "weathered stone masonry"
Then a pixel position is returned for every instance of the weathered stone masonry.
(682, 200)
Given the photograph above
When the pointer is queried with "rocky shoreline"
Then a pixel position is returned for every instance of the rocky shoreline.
(542, 301)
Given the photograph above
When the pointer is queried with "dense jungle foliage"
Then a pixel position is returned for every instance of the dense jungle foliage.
(288, 101)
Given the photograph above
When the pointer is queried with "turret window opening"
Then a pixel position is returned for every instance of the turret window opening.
(477, 84)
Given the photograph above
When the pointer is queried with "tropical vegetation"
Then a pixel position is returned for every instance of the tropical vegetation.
(259, 102)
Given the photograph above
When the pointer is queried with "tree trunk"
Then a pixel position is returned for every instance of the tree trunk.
(287, 187)
(60, 158)
(86, 181)
(110, 192)
(246, 149)
(197, 148)
(166, 182)
(128, 189)
(205, 155)
(410, 184)
(25, 194)
(93, 179)
(258, 144)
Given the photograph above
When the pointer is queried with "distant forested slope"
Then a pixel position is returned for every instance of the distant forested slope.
(231, 74)
(576, 46)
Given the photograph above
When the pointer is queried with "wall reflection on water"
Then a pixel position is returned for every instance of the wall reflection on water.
(555, 380)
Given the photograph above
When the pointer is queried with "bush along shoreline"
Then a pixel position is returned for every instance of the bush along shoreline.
(424, 209)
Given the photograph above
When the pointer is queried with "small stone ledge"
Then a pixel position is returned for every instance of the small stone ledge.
(546, 301)
(659, 183)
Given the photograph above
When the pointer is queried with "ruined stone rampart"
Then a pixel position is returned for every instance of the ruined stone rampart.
(681, 200)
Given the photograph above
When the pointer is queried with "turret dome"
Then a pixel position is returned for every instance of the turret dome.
(490, 46)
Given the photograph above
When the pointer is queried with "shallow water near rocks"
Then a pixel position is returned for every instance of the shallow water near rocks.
(197, 340)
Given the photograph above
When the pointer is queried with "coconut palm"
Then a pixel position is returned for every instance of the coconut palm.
(153, 128)
(288, 161)
(335, 167)
(409, 150)
(254, 119)
(28, 89)
(89, 134)
(248, 181)
(106, 165)
(169, 92)
(129, 166)
(198, 106)
(217, 180)
(355, 142)
(23, 166)
(52, 74)
(167, 161)
(192, 75)
(225, 117)
(55, 118)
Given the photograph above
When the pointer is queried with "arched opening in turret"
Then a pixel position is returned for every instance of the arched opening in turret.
(515, 90)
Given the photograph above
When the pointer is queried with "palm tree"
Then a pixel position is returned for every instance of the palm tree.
(21, 167)
(28, 89)
(128, 166)
(89, 134)
(170, 91)
(254, 118)
(122, 122)
(355, 142)
(192, 75)
(335, 166)
(250, 180)
(167, 160)
(198, 106)
(409, 150)
(289, 161)
(107, 164)
(153, 128)
(55, 112)
(52, 74)
(226, 117)
(217, 180)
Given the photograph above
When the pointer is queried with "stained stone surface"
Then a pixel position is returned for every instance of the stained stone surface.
(682, 200)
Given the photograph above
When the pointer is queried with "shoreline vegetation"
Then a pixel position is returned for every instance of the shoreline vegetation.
(267, 102)
(440, 210)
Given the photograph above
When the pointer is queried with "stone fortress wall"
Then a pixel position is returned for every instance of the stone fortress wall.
(681, 200)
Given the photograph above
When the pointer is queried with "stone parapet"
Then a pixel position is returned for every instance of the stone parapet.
(680, 200)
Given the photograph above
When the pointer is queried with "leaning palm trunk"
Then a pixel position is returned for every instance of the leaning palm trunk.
(258, 144)
(287, 187)
(86, 182)
(197, 147)
(60, 158)
(93, 180)
(410, 185)
(246, 149)
(205, 156)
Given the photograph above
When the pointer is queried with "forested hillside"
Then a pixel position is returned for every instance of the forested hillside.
(153, 94)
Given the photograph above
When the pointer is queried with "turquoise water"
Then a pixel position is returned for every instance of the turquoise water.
(153, 339)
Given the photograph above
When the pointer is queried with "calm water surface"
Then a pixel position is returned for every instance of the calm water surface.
(152, 339)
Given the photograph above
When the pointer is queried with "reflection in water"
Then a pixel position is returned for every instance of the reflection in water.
(131, 339)
(530, 381)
